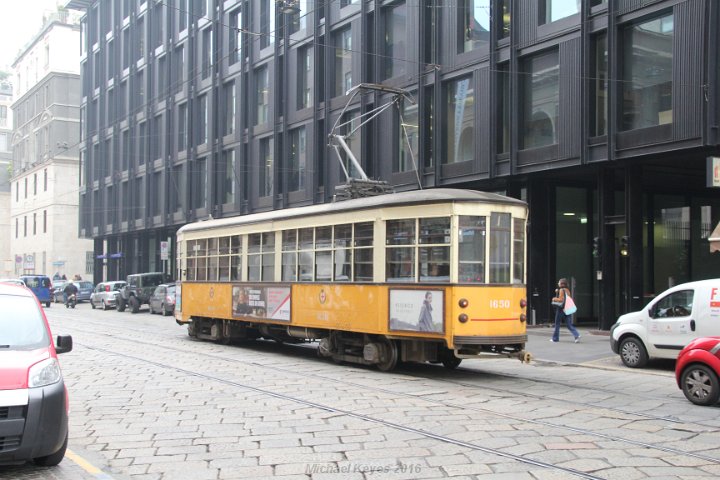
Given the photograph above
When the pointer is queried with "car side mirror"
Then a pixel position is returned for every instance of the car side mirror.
(64, 344)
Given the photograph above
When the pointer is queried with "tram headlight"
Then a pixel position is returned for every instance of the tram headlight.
(463, 303)
(523, 303)
(523, 317)
(463, 318)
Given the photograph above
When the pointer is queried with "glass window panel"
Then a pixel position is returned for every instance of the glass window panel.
(213, 263)
(236, 244)
(499, 247)
(306, 238)
(343, 61)
(323, 266)
(408, 138)
(471, 249)
(400, 265)
(364, 234)
(289, 266)
(268, 242)
(400, 232)
(363, 264)
(268, 267)
(202, 269)
(235, 267)
(434, 264)
(253, 268)
(558, 9)
(224, 245)
(289, 240)
(343, 235)
(305, 266)
(343, 261)
(395, 57)
(541, 100)
(434, 230)
(518, 250)
(599, 85)
(460, 131)
(191, 272)
(323, 237)
(473, 24)
(647, 74)
(254, 243)
(212, 246)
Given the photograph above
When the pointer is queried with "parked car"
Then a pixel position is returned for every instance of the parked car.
(41, 286)
(139, 289)
(85, 289)
(668, 323)
(163, 299)
(697, 371)
(14, 281)
(106, 293)
(33, 396)
(58, 286)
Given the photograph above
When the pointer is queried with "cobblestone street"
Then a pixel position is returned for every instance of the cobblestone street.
(148, 402)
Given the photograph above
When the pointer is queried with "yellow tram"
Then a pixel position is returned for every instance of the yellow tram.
(431, 275)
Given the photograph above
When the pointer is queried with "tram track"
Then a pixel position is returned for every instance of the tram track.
(463, 371)
(452, 405)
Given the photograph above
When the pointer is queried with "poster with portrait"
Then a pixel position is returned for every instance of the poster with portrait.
(417, 310)
(257, 301)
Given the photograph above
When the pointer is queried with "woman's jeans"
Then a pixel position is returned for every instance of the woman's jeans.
(559, 316)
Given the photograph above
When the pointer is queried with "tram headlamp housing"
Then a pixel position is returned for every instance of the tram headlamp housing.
(523, 303)
(463, 303)
(463, 318)
(523, 317)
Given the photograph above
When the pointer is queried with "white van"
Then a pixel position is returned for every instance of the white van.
(668, 323)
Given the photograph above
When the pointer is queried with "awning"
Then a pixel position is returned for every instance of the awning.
(715, 239)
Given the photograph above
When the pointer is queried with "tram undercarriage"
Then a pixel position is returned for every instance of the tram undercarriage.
(383, 351)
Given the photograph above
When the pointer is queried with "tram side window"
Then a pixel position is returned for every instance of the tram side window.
(213, 259)
(254, 259)
(306, 254)
(235, 257)
(518, 250)
(201, 260)
(400, 250)
(434, 249)
(499, 247)
(323, 254)
(191, 264)
(268, 257)
(342, 252)
(363, 252)
(471, 249)
(289, 256)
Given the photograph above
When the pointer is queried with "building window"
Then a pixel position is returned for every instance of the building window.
(183, 12)
(26, 187)
(349, 124)
(25, 226)
(17, 191)
(460, 131)
(395, 51)
(230, 177)
(553, 10)
(503, 105)
(89, 262)
(262, 95)
(345, 3)
(155, 135)
(199, 191)
(17, 227)
(343, 61)
(142, 142)
(647, 73)
(267, 23)
(182, 127)
(408, 138)
(599, 86)
(179, 69)
(202, 120)
(34, 223)
(473, 25)
(504, 18)
(266, 167)
(235, 37)
(298, 149)
(229, 106)
(206, 54)
(34, 183)
(3, 116)
(299, 19)
(44, 221)
(161, 80)
(541, 100)
(141, 38)
(305, 78)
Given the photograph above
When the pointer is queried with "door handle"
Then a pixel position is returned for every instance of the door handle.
(692, 325)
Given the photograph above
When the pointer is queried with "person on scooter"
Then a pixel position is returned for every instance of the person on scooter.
(70, 289)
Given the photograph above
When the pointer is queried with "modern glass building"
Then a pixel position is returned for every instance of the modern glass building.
(601, 114)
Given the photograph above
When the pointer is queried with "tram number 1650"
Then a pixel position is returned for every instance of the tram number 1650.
(500, 303)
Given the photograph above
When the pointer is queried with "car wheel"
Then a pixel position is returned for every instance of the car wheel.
(166, 313)
(633, 353)
(134, 305)
(700, 385)
(47, 304)
(104, 305)
(54, 458)
(120, 305)
(92, 304)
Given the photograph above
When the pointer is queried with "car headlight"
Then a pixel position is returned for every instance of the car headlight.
(44, 373)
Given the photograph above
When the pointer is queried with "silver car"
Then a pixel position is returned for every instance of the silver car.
(105, 294)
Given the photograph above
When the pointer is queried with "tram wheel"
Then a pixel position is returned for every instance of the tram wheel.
(389, 358)
(448, 359)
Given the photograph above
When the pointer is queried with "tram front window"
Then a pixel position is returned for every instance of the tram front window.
(471, 238)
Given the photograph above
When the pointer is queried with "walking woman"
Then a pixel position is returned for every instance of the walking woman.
(558, 301)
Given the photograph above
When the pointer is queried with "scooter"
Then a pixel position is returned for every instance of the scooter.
(71, 301)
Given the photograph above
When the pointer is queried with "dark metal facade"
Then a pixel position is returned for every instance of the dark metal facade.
(158, 72)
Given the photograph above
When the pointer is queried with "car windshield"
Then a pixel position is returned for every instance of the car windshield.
(21, 324)
(171, 290)
(86, 285)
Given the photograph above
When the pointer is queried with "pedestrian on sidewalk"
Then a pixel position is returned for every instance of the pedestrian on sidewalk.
(562, 294)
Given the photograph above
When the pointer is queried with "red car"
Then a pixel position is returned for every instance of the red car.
(697, 370)
(33, 397)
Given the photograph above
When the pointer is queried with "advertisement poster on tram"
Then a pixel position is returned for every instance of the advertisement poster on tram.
(272, 303)
(417, 310)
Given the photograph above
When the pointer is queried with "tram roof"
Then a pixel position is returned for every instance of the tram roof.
(413, 197)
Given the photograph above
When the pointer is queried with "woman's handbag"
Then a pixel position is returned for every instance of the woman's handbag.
(570, 306)
(557, 303)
